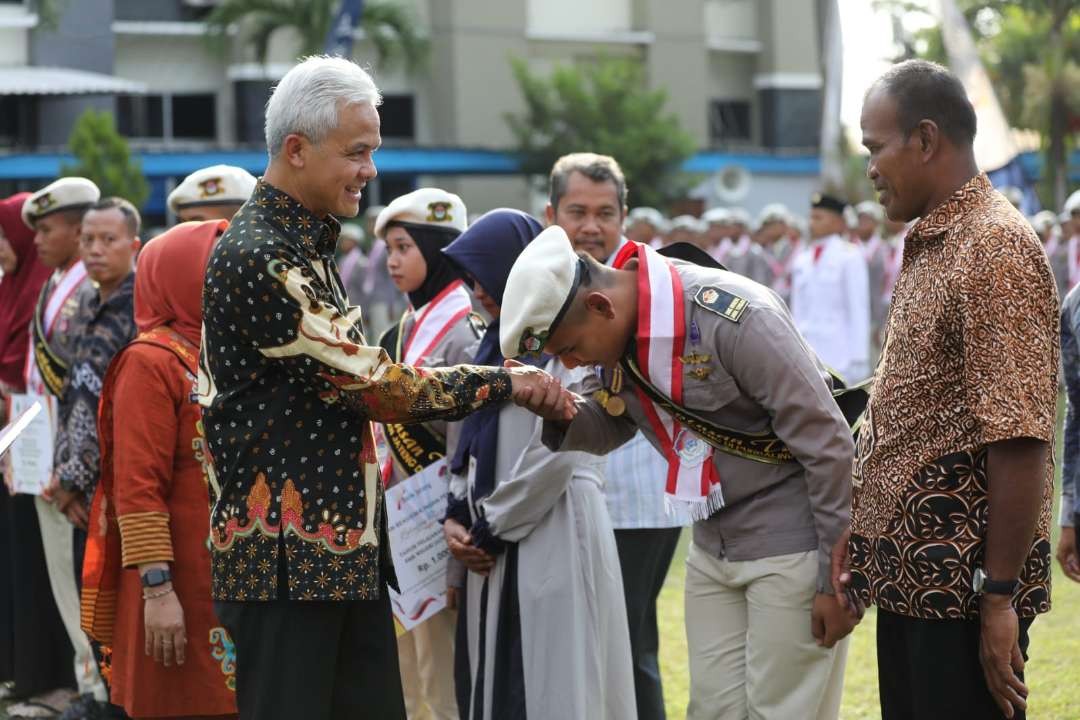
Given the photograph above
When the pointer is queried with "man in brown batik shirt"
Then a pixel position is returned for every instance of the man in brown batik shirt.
(954, 471)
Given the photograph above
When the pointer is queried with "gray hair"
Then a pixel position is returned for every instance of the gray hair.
(309, 98)
(598, 168)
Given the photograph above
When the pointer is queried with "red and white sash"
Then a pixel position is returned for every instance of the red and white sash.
(692, 481)
(434, 320)
(67, 283)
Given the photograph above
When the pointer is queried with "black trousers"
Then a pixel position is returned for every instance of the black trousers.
(930, 669)
(315, 660)
(645, 556)
(35, 652)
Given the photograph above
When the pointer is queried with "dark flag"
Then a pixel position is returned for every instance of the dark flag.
(339, 40)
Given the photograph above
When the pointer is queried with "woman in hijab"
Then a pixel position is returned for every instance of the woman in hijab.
(542, 629)
(146, 578)
(438, 329)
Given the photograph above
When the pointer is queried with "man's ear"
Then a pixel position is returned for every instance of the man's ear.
(549, 214)
(598, 303)
(929, 138)
(294, 149)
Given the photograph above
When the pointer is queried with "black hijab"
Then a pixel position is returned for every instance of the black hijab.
(485, 253)
(440, 272)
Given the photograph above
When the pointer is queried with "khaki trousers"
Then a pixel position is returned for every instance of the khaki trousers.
(426, 658)
(57, 537)
(752, 654)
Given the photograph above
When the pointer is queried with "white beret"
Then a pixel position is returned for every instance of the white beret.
(427, 206)
(774, 212)
(688, 222)
(717, 216)
(1073, 203)
(214, 185)
(1044, 220)
(64, 194)
(871, 208)
(543, 281)
(650, 215)
(738, 216)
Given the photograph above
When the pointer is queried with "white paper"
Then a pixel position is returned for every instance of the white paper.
(413, 509)
(30, 455)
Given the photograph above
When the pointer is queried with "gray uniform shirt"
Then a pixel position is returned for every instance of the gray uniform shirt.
(761, 374)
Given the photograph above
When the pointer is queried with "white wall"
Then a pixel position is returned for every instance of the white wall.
(731, 19)
(562, 17)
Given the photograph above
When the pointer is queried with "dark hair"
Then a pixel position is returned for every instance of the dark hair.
(598, 168)
(924, 90)
(131, 215)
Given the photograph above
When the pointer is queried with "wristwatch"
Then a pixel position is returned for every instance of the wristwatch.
(981, 583)
(155, 578)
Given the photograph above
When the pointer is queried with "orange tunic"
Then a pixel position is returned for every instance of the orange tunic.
(154, 454)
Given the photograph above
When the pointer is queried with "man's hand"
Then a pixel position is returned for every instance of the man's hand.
(1067, 554)
(829, 621)
(999, 653)
(540, 393)
(841, 577)
(460, 543)
(71, 504)
(166, 636)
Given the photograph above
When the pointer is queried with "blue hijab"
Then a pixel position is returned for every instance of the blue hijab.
(484, 254)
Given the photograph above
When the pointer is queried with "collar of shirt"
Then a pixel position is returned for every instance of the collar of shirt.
(948, 213)
(622, 242)
(316, 237)
(122, 296)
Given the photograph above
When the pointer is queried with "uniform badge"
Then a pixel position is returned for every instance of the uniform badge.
(532, 343)
(477, 325)
(701, 373)
(211, 187)
(691, 449)
(695, 358)
(439, 212)
(44, 202)
(726, 305)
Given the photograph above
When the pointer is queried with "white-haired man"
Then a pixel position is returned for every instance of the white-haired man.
(298, 546)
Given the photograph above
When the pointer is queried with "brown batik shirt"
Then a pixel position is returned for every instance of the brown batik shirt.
(289, 388)
(970, 359)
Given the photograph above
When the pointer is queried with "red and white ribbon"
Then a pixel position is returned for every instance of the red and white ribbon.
(692, 481)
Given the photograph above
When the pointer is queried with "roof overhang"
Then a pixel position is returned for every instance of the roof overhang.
(32, 80)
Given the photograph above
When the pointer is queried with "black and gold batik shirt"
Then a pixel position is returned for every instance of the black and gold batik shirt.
(289, 390)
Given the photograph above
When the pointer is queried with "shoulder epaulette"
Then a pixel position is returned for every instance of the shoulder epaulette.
(723, 303)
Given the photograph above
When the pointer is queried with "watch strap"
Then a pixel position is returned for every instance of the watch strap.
(1000, 587)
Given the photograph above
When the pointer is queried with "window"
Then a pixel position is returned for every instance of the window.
(729, 121)
(167, 117)
(398, 116)
(18, 121)
(194, 117)
(140, 116)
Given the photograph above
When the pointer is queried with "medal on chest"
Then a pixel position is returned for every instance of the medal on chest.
(608, 395)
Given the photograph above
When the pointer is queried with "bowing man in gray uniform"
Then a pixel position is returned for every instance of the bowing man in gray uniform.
(709, 366)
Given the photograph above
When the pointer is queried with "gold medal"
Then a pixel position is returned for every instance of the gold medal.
(615, 406)
(602, 396)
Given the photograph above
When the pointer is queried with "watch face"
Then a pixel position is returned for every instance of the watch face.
(978, 580)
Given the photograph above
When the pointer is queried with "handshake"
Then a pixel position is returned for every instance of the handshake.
(540, 393)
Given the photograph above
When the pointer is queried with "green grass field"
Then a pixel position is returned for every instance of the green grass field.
(1052, 673)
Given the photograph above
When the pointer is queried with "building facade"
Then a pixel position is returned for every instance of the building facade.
(743, 76)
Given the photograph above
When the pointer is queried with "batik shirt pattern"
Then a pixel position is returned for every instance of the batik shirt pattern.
(104, 328)
(970, 359)
(289, 389)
